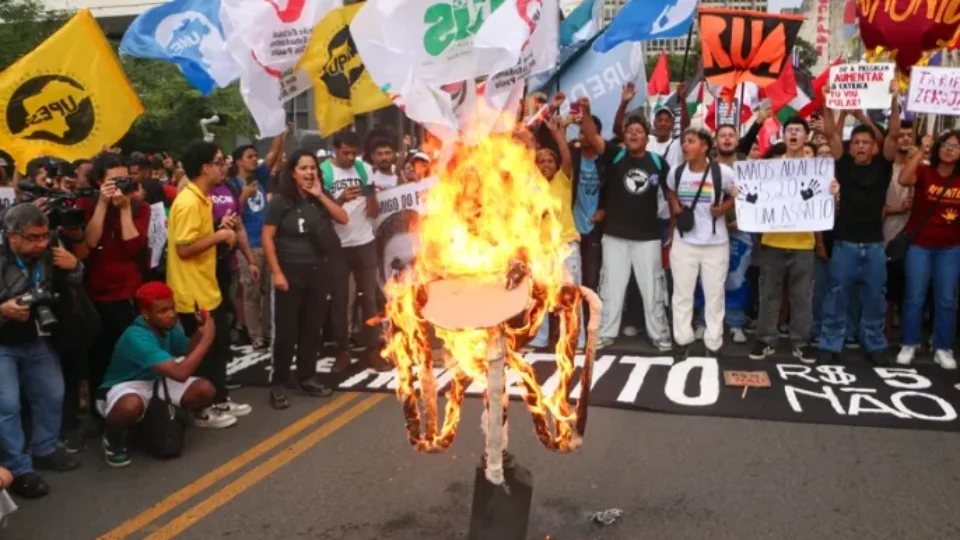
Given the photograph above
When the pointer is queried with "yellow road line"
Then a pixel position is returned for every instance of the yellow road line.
(268, 467)
(199, 485)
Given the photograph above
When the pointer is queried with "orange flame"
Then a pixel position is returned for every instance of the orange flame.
(489, 212)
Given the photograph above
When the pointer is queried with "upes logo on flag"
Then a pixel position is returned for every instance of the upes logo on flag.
(66, 100)
(745, 46)
(342, 86)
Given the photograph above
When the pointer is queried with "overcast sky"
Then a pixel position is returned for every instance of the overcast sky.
(776, 5)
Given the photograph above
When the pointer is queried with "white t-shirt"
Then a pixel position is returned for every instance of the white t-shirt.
(359, 229)
(670, 150)
(703, 221)
(383, 181)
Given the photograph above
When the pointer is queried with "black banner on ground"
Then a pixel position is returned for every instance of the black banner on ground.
(920, 397)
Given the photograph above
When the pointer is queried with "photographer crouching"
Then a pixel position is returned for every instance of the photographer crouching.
(30, 267)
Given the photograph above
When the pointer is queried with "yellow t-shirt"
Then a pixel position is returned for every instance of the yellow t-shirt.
(561, 189)
(194, 279)
(791, 240)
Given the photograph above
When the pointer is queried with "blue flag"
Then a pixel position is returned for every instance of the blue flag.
(600, 77)
(643, 20)
(187, 33)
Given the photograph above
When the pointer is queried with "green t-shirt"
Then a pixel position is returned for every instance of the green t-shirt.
(139, 349)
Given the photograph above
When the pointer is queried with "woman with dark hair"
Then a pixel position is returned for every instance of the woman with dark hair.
(294, 237)
(934, 252)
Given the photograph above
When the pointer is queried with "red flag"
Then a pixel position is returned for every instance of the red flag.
(769, 133)
(783, 91)
(816, 100)
(659, 83)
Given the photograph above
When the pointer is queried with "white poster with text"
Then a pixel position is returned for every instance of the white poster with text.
(396, 226)
(934, 90)
(787, 195)
(860, 86)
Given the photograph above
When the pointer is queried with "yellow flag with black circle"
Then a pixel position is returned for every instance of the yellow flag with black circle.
(342, 87)
(67, 98)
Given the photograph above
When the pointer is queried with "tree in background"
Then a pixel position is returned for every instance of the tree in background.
(173, 107)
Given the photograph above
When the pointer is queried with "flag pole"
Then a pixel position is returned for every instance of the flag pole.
(686, 53)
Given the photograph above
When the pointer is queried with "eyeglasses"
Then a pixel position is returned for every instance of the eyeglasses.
(794, 129)
(950, 146)
(34, 238)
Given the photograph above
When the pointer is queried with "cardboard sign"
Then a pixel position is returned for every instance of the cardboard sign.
(8, 197)
(860, 86)
(755, 379)
(786, 195)
(934, 90)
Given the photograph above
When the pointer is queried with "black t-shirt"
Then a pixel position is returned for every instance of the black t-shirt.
(631, 194)
(153, 191)
(295, 241)
(863, 192)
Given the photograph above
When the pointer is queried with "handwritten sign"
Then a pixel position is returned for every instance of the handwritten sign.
(934, 90)
(860, 86)
(157, 233)
(755, 379)
(786, 195)
(8, 197)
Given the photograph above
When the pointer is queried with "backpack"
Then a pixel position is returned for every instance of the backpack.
(326, 168)
(717, 177)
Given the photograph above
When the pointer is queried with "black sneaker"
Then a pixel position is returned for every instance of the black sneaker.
(315, 388)
(115, 447)
(829, 358)
(681, 352)
(29, 486)
(807, 355)
(278, 398)
(58, 461)
(878, 358)
(74, 442)
(762, 351)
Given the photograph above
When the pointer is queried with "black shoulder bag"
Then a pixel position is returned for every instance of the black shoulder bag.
(897, 248)
(685, 221)
(163, 426)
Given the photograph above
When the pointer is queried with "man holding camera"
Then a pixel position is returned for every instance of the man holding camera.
(29, 266)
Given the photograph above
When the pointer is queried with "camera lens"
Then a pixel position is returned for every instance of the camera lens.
(46, 320)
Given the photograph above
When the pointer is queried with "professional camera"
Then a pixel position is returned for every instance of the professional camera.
(63, 209)
(41, 299)
(125, 185)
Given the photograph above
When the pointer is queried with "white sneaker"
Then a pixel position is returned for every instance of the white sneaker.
(630, 331)
(698, 332)
(664, 346)
(213, 418)
(906, 355)
(944, 357)
(233, 409)
(737, 335)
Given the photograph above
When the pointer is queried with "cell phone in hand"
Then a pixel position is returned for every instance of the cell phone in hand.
(575, 108)
(201, 314)
(368, 190)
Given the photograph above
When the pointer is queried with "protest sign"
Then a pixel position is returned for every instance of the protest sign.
(727, 112)
(934, 90)
(8, 197)
(787, 195)
(157, 233)
(860, 86)
(396, 236)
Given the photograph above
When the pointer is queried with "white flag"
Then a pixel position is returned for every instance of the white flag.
(267, 38)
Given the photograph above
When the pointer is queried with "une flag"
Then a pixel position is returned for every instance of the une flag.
(745, 46)
(600, 77)
(644, 20)
(186, 33)
(342, 87)
(67, 98)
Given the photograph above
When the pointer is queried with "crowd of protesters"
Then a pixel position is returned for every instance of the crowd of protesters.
(267, 252)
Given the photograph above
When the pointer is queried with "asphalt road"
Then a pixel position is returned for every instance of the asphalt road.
(344, 471)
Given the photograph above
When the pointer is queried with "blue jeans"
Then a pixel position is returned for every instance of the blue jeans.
(821, 283)
(572, 264)
(856, 264)
(35, 369)
(737, 287)
(942, 266)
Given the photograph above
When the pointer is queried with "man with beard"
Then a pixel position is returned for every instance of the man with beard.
(384, 157)
(788, 258)
(731, 148)
(858, 256)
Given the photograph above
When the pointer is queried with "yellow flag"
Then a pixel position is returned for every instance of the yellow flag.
(342, 87)
(68, 98)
